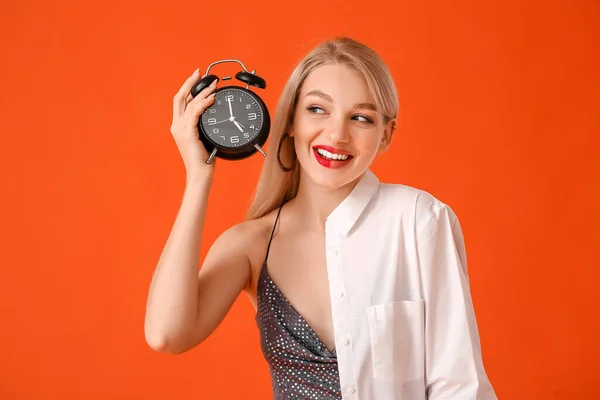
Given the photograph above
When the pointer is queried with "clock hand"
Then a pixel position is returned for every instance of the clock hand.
(239, 126)
(230, 110)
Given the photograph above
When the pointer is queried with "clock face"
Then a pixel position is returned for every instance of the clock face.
(234, 119)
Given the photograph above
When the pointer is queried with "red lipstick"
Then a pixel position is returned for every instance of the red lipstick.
(328, 163)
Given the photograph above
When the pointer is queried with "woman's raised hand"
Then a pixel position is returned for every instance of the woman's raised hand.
(186, 111)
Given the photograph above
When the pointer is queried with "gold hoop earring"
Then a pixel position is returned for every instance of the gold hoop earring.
(283, 167)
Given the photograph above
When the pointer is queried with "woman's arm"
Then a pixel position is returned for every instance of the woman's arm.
(185, 306)
(453, 363)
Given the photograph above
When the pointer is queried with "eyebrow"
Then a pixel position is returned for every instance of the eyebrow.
(325, 96)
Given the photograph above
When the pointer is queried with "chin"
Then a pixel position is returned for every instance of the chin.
(332, 178)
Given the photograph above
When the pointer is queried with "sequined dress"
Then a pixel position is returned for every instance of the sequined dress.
(301, 365)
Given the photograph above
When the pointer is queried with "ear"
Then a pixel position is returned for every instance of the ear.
(388, 133)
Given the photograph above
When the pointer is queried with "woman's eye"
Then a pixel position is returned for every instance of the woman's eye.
(363, 118)
(315, 110)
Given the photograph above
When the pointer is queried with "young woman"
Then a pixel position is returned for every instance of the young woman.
(361, 287)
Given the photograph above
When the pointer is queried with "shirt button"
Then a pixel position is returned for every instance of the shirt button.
(345, 341)
(351, 389)
(340, 294)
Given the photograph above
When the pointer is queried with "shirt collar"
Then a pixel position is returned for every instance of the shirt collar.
(345, 215)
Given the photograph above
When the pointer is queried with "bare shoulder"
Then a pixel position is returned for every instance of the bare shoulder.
(258, 233)
(249, 238)
(247, 233)
(241, 234)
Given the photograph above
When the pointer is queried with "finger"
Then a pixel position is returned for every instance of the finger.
(197, 106)
(179, 98)
(207, 90)
(203, 93)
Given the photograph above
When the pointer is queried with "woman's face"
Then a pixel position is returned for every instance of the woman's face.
(337, 128)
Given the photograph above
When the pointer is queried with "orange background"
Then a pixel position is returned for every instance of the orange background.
(499, 119)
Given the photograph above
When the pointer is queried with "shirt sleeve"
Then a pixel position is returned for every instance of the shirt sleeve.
(453, 359)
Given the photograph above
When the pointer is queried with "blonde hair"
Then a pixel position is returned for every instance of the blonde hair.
(275, 186)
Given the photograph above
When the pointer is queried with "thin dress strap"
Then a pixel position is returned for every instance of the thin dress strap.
(272, 232)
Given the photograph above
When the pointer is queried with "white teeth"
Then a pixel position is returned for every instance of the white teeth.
(330, 156)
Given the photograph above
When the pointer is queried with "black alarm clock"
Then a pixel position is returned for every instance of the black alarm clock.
(237, 124)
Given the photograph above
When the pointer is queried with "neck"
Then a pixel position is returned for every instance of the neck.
(314, 203)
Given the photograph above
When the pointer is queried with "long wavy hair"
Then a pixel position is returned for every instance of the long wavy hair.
(278, 185)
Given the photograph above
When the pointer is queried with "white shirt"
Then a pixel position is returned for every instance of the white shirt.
(403, 317)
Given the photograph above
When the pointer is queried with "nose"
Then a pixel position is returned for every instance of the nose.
(338, 132)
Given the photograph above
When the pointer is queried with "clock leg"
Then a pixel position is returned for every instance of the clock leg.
(260, 149)
(212, 155)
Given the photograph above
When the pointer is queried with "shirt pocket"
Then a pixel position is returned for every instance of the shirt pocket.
(397, 340)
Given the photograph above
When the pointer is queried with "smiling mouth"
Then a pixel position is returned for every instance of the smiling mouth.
(328, 159)
(332, 156)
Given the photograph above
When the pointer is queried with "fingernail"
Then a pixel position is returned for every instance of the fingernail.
(214, 83)
(196, 72)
